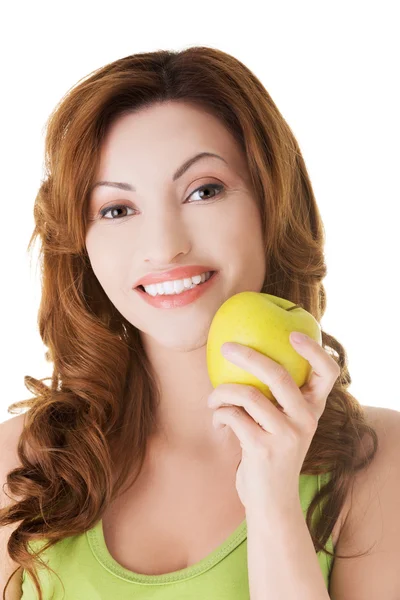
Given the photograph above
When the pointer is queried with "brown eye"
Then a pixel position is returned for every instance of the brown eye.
(114, 207)
(209, 188)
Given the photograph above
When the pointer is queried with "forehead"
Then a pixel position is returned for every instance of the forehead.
(167, 134)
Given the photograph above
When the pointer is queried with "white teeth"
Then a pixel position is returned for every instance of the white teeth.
(176, 287)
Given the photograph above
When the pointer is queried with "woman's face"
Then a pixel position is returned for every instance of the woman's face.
(166, 223)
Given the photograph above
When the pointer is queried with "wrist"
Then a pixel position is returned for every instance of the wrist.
(274, 515)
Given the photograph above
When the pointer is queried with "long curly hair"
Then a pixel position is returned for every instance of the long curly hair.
(79, 423)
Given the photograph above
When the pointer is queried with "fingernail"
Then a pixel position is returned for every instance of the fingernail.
(298, 337)
(227, 348)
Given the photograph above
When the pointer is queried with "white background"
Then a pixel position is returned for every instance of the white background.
(333, 71)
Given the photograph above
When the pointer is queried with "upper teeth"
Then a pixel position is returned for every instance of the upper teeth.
(176, 287)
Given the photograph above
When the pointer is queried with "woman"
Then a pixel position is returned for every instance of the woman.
(178, 166)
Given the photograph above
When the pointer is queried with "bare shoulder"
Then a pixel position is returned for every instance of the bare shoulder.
(386, 423)
(10, 432)
(371, 479)
(383, 419)
(372, 522)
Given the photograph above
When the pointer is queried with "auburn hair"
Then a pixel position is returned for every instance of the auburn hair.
(100, 400)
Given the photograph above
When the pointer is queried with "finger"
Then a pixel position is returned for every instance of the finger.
(273, 374)
(325, 370)
(243, 426)
(257, 406)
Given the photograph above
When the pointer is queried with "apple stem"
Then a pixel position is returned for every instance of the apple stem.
(293, 307)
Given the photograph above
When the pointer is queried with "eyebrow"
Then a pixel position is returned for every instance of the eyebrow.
(178, 173)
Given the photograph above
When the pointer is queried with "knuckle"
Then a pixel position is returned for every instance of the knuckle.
(253, 394)
(334, 366)
(234, 411)
(261, 446)
(292, 438)
(262, 449)
(248, 353)
(311, 422)
(281, 377)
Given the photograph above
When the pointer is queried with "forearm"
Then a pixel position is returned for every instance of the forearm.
(282, 563)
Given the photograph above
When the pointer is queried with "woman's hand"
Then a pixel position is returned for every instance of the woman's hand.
(274, 440)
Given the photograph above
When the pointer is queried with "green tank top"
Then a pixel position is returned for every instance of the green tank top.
(89, 572)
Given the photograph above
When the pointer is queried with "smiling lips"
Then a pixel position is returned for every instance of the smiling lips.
(180, 299)
(183, 272)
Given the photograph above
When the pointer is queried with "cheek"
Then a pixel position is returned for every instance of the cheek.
(248, 245)
(243, 224)
(107, 260)
(236, 236)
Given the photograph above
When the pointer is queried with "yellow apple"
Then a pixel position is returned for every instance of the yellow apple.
(263, 322)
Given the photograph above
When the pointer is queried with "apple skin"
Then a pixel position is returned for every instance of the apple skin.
(263, 322)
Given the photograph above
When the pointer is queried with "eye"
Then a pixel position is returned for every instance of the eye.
(214, 188)
(114, 207)
(209, 187)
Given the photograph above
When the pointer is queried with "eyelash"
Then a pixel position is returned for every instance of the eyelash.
(117, 206)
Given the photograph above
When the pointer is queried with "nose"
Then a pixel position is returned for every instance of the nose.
(165, 237)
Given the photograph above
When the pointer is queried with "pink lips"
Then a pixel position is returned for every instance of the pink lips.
(176, 273)
(178, 300)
